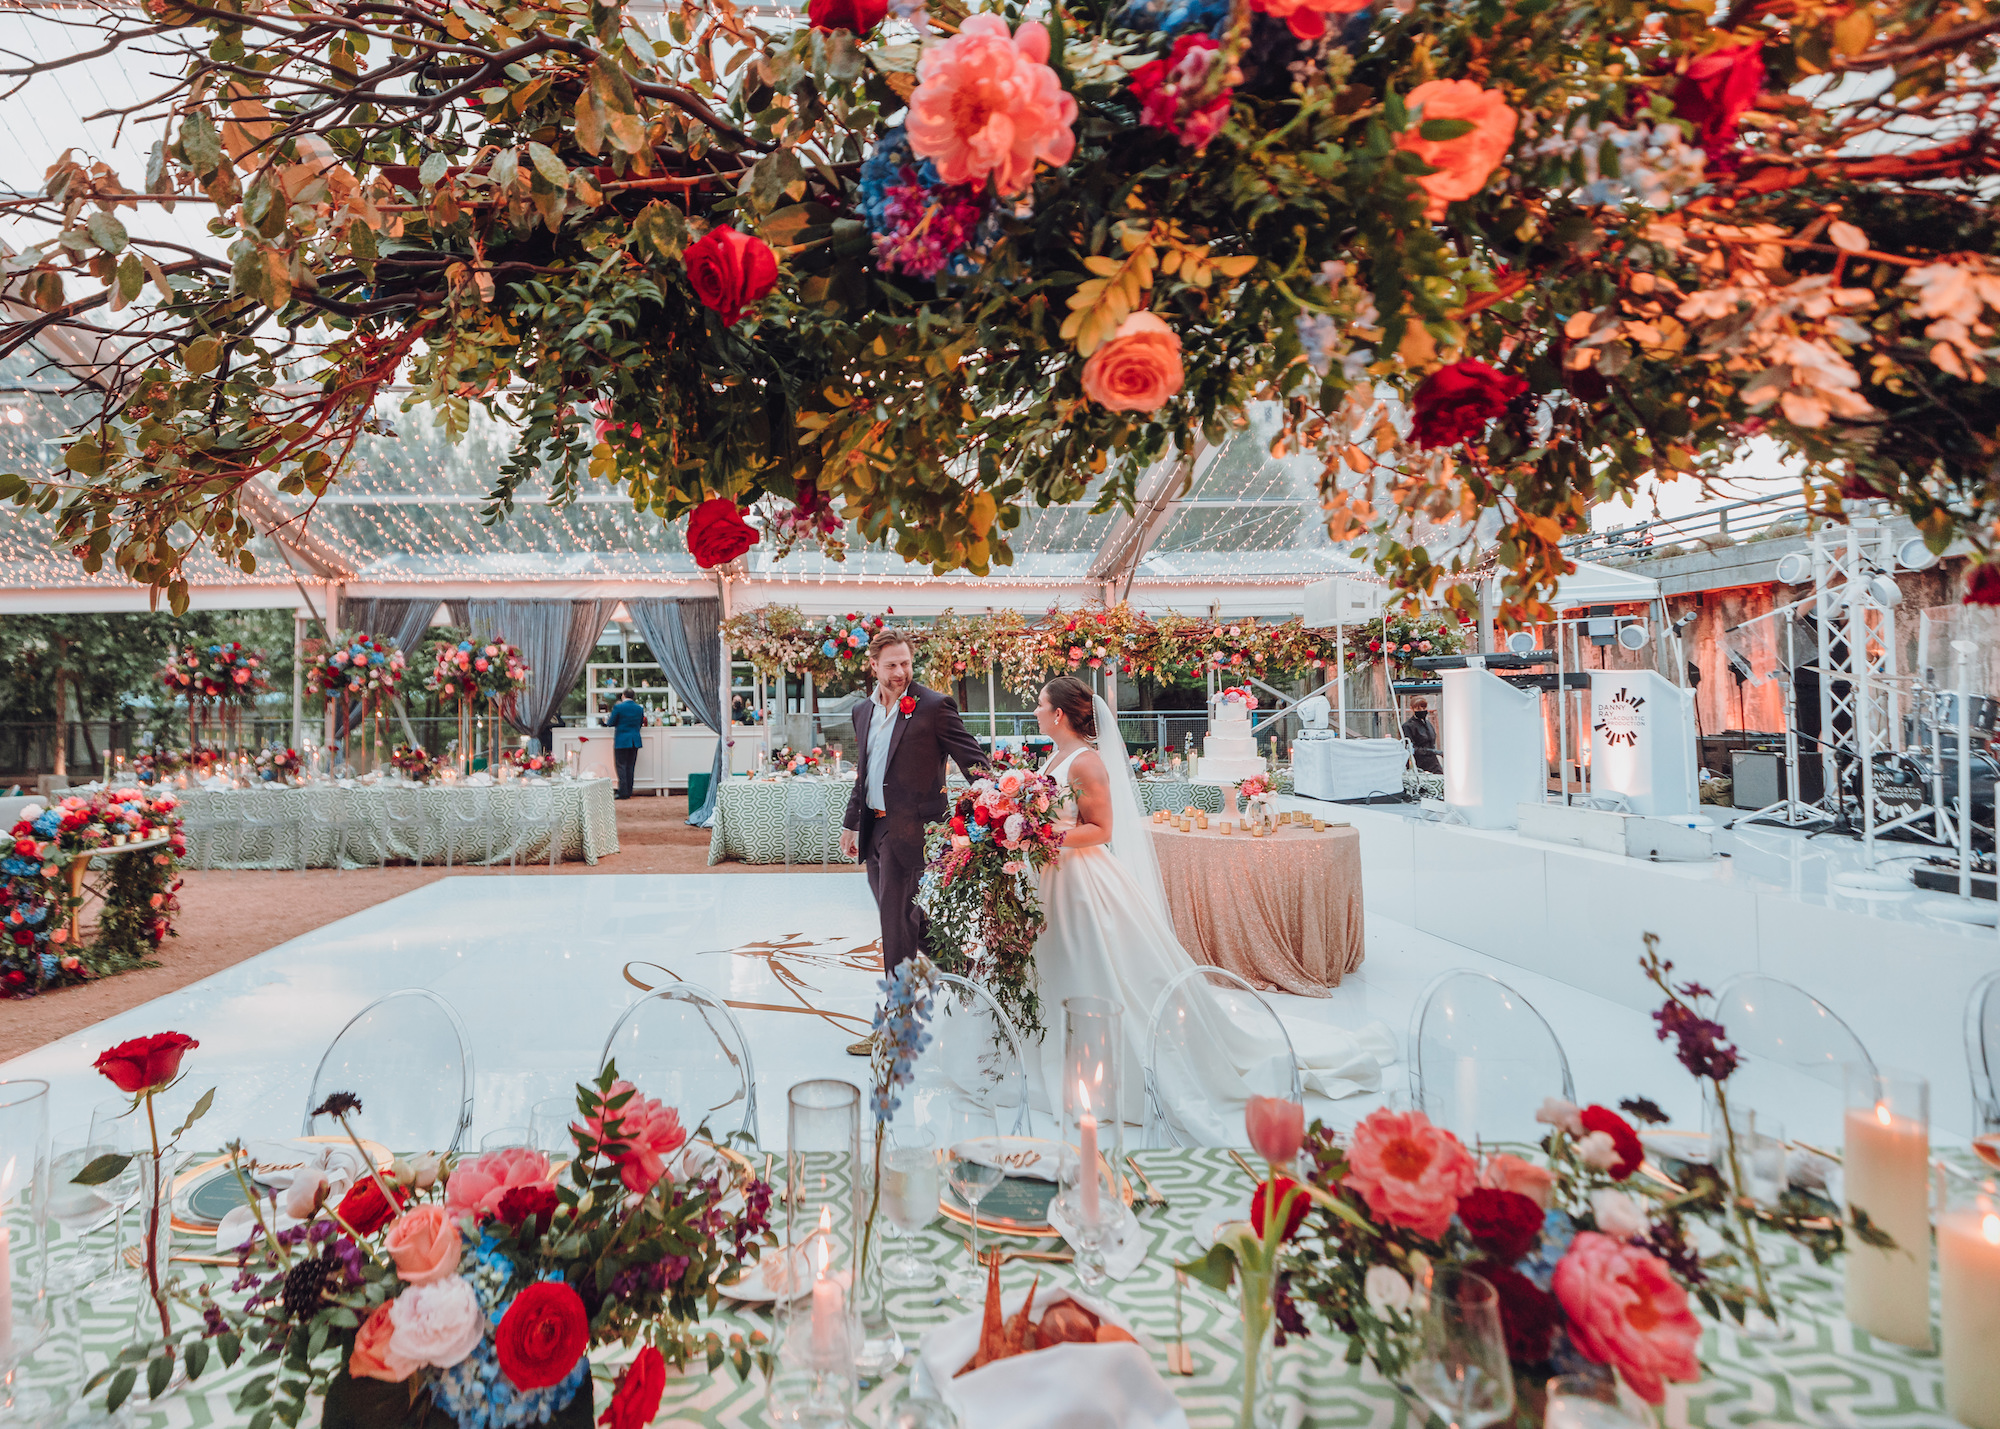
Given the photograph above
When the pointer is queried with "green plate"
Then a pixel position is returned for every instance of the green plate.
(1018, 1203)
(217, 1197)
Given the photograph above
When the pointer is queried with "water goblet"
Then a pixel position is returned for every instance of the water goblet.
(1592, 1401)
(548, 1125)
(78, 1209)
(910, 1199)
(114, 1124)
(1459, 1368)
(973, 1168)
(506, 1138)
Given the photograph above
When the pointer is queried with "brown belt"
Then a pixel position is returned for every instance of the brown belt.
(881, 813)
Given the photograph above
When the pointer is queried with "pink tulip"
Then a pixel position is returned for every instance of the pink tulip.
(1277, 1128)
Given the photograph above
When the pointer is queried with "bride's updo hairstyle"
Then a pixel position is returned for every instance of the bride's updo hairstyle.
(1072, 696)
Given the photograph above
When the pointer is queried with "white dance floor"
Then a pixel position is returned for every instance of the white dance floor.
(539, 968)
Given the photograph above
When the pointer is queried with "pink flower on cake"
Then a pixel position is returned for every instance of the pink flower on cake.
(1626, 1311)
(639, 1135)
(476, 1186)
(1410, 1173)
(987, 104)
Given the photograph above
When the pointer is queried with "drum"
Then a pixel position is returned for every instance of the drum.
(1904, 783)
(1945, 711)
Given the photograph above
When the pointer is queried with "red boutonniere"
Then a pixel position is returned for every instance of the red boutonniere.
(908, 705)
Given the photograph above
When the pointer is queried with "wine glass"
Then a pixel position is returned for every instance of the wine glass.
(114, 1125)
(1460, 1368)
(1592, 1401)
(77, 1209)
(548, 1126)
(910, 1197)
(506, 1138)
(972, 1164)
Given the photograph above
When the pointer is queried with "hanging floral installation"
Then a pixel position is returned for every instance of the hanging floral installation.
(1482, 258)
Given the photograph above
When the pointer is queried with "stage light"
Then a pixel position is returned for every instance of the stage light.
(1795, 568)
(1914, 555)
(1633, 636)
(1885, 590)
(1832, 604)
(1521, 642)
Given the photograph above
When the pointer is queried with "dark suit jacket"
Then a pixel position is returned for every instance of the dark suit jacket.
(916, 747)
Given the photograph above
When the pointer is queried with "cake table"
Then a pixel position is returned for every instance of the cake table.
(1283, 911)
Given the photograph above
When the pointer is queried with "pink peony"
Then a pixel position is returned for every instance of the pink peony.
(1506, 1172)
(476, 1186)
(1409, 1172)
(987, 103)
(639, 1136)
(437, 1324)
(1626, 1311)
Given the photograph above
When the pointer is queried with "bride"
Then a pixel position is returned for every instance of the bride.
(1110, 935)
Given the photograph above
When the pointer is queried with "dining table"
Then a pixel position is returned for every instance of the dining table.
(1822, 1372)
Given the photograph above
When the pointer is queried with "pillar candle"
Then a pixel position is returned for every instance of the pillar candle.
(1968, 1244)
(828, 1333)
(1086, 1186)
(1886, 1167)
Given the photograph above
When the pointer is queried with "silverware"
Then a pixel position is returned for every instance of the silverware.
(1248, 1170)
(1153, 1196)
(985, 1256)
(1180, 1360)
(135, 1256)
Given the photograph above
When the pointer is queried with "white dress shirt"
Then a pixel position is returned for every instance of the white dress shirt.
(880, 730)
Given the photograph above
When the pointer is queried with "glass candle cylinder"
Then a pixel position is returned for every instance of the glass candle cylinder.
(818, 1321)
(1886, 1171)
(24, 1251)
(1093, 1127)
(1968, 1249)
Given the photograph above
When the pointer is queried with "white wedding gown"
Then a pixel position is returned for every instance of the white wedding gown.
(1109, 937)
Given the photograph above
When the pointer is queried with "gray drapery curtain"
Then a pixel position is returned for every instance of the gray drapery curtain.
(555, 637)
(403, 621)
(455, 612)
(683, 636)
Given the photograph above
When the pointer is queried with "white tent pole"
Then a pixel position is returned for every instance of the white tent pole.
(298, 678)
(992, 710)
(1340, 666)
(724, 724)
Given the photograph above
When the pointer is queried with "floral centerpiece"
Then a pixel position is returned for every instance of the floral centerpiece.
(226, 673)
(415, 764)
(979, 886)
(475, 672)
(1596, 1267)
(538, 764)
(798, 761)
(278, 764)
(356, 665)
(1255, 785)
(473, 1291)
(1143, 763)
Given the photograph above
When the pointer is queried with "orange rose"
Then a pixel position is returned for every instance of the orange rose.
(372, 1357)
(1138, 369)
(1307, 18)
(424, 1243)
(1463, 164)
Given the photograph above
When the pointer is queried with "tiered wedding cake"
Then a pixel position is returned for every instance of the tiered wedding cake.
(1229, 754)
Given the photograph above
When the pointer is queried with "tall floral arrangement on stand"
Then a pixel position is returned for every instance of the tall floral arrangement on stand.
(365, 670)
(217, 681)
(482, 677)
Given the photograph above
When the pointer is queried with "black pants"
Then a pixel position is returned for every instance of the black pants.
(627, 761)
(895, 868)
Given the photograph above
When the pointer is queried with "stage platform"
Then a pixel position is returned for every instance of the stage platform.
(1894, 969)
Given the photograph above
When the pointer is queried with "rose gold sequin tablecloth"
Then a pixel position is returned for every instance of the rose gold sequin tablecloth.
(1283, 911)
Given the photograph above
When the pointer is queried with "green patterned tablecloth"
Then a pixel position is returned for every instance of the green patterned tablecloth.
(751, 816)
(1825, 1373)
(272, 827)
(1166, 791)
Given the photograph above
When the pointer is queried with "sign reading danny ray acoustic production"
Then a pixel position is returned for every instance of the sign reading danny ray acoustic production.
(1621, 719)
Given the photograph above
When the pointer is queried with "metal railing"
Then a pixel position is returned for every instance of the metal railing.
(1729, 523)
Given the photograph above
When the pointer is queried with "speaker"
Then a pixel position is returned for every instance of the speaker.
(1757, 779)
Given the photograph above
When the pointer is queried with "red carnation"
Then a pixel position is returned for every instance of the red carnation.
(1505, 1224)
(636, 1399)
(365, 1209)
(1715, 91)
(535, 1202)
(718, 534)
(1983, 586)
(730, 270)
(543, 1334)
(908, 704)
(145, 1064)
(1454, 404)
(1528, 1317)
(858, 16)
(1294, 1218)
(1623, 1137)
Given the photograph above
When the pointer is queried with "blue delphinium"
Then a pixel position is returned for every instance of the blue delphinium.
(476, 1392)
(902, 1033)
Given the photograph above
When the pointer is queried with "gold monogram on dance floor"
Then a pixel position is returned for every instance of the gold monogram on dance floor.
(790, 958)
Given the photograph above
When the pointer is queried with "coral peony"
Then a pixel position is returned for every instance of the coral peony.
(437, 1324)
(145, 1064)
(1454, 404)
(1138, 369)
(1626, 1311)
(1627, 1153)
(477, 1186)
(1505, 1171)
(1463, 164)
(1504, 1224)
(636, 1398)
(729, 271)
(717, 533)
(372, 1357)
(639, 1136)
(1307, 18)
(543, 1333)
(858, 16)
(987, 104)
(1277, 1128)
(424, 1243)
(1410, 1173)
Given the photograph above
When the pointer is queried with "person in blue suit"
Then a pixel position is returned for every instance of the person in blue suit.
(627, 717)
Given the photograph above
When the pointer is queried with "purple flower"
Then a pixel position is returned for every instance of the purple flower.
(1702, 1050)
(1286, 1311)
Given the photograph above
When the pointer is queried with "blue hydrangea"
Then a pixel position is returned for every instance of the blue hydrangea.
(1558, 1230)
(475, 1392)
(465, 645)
(19, 867)
(36, 916)
(1172, 17)
(48, 961)
(829, 648)
(48, 823)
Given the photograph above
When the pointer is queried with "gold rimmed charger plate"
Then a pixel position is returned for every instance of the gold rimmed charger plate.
(200, 1174)
(1019, 1205)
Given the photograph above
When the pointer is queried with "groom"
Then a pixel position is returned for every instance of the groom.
(903, 733)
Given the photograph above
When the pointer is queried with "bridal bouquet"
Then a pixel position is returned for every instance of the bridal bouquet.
(979, 886)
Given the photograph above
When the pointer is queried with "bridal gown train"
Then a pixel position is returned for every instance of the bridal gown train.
(1106, 938)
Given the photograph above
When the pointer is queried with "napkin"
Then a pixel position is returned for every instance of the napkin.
(282, 1166)
(1068, 1387)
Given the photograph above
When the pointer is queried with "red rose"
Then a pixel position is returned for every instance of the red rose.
(908, 704)
(636, 1399)
(1983, 586)
(26, 848)
(1505, 1224)
(958, 827)
(859, 16)
(1294, 1218)
(365, 1209)
(730, 270)
(1454, 404)
(145, 1064)
(521, 1203)
(543, 1334)
(1630, 1152)
(718, 534)
(1528, 1317)
(1715, 91)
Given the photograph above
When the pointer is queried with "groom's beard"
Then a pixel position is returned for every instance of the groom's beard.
(895, 692)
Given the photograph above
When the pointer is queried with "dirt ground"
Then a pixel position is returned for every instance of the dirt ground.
(227, 917)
